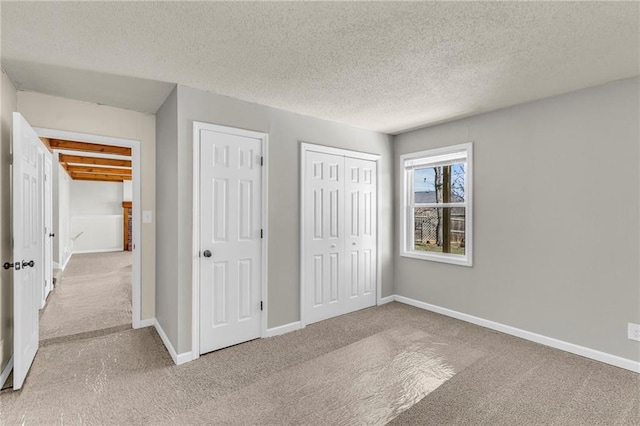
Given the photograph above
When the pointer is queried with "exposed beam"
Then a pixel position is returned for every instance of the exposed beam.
(65, 166)
(103, 170)
(47, 143)
(78, 159)
(89, 147)
(99, 177)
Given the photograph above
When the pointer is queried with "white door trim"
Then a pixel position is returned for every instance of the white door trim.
(136, 183)
(47, 155)
(307, 147)
(195, 264)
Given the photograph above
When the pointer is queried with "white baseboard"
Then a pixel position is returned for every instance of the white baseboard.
(109, 250)
(66, 262)
(614, 360)
(387, 299)
(177, 358)
(184, 357)
(56, 265)
(287, 328)
(5, 373)
(147, 322)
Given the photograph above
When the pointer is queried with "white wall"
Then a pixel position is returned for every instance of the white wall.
(96, 216)
(127, 190)
(556, 219)
(77, 116)
(62, 216)
(7, 107)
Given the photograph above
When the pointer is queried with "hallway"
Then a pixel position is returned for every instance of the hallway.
(93, 297)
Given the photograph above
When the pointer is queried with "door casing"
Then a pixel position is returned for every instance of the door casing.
(307, 147)
(136, 321)
(195, 264)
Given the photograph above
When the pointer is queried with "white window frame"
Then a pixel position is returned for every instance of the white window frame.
(431, 158)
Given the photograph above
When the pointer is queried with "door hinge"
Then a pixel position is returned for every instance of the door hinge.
(261, 306)
(11, 158)
(261, 233)
(262, 161)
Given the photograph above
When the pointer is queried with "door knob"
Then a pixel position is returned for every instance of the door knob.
(29, 263)
(207, 253)
(52, 235)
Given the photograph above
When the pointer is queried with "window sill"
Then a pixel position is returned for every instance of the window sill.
(434, 257)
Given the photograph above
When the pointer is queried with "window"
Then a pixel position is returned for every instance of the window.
(436, 205)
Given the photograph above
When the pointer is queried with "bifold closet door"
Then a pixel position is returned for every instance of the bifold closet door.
(360, 235)
(324, 217)
(340, 221)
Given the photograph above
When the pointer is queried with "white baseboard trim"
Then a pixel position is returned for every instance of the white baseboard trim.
(177, 358)
(287, 328)
(184, 357)
(110, 250)
(594, 354)
(5, 373)
(66, 262)
(387, 299)
(147, 322)
(56, 265)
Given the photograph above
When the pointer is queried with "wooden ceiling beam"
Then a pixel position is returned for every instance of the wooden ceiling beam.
(79, 159)
(98, 177)
(89, 147)
(47, 143)
(100, 170)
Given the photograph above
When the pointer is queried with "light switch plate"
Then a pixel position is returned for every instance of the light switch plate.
(147, 217)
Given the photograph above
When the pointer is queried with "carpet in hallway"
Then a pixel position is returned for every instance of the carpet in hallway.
(94, 293)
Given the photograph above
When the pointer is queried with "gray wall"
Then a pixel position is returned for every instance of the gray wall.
(285, 130)
(556, 218)
(167, 216)
(7, 106)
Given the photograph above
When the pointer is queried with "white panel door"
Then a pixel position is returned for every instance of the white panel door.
(324, 230)
(27, 247)
(360, 235)
(230, 239)
(48, 226)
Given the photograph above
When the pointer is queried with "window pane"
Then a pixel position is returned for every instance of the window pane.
(443, 184)
(440, 229)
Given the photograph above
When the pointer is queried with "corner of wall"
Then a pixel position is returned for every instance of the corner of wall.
(8, 105)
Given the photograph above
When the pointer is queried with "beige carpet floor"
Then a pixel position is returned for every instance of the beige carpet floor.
(346, 370)
(93, 294)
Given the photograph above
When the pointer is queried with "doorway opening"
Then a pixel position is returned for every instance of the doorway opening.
(95, 235)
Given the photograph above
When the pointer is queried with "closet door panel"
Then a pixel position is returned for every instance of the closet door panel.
(324, 230)
(360, 241)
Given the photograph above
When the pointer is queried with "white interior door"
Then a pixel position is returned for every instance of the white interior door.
(230, 239)
(360, 235)
(48, 225)
(28, 247)
(324, 227)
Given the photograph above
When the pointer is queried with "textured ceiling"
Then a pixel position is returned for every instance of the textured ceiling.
(382, 66)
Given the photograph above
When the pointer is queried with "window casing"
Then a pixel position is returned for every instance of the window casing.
(436, 209)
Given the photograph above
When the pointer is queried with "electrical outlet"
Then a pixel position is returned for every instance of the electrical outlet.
(634, 331)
